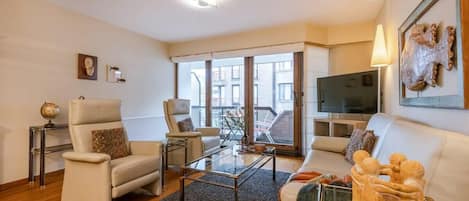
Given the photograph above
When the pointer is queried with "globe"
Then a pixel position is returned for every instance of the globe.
(49, 111)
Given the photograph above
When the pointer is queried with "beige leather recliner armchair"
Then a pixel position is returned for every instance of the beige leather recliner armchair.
(200, 141)
(94, 176)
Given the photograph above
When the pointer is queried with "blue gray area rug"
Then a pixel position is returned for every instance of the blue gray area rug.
(260, 187)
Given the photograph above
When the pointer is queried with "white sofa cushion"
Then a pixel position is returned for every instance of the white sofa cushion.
(332, 144)
(326, 162)
(379, 124)
(449, 182)
(416, 141)
(289, 191)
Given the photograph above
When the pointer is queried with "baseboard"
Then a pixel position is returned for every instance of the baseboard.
(24, 181)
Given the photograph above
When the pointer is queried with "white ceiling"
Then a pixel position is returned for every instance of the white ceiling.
(176, 20)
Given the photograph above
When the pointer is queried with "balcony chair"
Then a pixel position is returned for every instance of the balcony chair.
(95, 176)
(199, 140)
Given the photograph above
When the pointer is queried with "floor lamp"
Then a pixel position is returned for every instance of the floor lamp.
(379, 57)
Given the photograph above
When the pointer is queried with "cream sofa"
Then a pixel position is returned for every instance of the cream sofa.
(444, 154)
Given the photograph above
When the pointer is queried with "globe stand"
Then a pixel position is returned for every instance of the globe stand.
(49, 124)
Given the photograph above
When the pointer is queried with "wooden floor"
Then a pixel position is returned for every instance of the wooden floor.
(26, 192)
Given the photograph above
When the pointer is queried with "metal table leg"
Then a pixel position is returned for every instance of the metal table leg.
(181, 185)
(163, 165)
(235, 189)
(274, 164)
(31, 156)
(42, 176)
(185, 151)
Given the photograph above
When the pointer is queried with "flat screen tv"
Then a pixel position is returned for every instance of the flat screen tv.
(349, 93)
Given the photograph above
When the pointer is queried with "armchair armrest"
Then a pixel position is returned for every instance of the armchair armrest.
(86, 157)
(330, 144)
(146, 148)
(184, 134)
(209, 131)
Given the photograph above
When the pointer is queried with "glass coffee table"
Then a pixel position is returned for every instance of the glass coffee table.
(228, 162)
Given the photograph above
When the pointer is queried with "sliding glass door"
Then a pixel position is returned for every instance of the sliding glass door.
(227, 95)
(261, 90)
(273, 113)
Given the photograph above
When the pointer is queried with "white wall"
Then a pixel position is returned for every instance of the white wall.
(316, 65)
(39, 43)
(393, 14)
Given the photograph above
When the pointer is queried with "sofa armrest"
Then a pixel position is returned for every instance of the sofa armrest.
(184, 134)
(86, 157)
(208, 131)
(330, 144)
(154, 148)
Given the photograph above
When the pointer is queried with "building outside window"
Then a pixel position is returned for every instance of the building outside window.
(256, 94)
(235, 94)
(285, 66)
(256, 72)
(285, 92)
(218, 74)
(235, 72)
(218, 93)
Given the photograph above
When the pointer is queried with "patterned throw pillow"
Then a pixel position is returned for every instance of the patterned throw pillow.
(360, 140)
(110, 141)
(186, 125)
(369, 141)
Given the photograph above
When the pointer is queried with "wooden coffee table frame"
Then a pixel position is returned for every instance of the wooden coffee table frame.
(237, 181)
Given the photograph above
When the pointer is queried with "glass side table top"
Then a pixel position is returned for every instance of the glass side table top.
(229, 162)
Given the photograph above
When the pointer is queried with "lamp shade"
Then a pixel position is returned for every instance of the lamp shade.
(379, 56)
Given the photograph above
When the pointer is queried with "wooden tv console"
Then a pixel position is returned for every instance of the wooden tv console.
(336, 127)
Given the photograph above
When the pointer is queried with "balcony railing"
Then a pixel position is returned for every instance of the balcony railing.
(198, 114)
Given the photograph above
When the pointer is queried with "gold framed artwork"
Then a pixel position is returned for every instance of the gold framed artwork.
(431, 64)
(87, 67)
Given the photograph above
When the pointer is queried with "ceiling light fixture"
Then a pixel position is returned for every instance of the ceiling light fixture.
(206, 3)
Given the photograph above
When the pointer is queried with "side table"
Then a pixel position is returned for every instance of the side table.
(42, 150)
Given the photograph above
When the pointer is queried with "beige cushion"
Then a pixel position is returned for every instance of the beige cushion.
(179, 106)
(332, 144)
(94, 111)
(132, 167)
(81, 134)
(210, 142)
(326, 162)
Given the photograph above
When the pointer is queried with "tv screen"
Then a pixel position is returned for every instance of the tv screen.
(349, 93)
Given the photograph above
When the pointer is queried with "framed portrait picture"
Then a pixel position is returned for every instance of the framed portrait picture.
(432, 69)
(87, 67)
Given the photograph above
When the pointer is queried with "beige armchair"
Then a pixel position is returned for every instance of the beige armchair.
(200, 141)
(94, 176)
